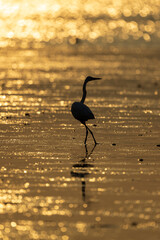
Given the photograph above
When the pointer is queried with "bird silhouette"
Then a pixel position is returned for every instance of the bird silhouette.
(82, 112)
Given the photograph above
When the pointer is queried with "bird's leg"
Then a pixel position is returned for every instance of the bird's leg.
(83, 190)
(86, 134)
(92, 135)
(86, 151)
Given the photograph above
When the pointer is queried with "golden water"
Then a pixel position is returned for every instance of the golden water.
(48, 190)
(51, 188)
(26, 22)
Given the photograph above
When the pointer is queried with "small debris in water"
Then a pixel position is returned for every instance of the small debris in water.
(140, 159)
(27, 114)
(158, 145)
(139, 85)
(95, 125)
(134, 224)
(8, 117)
(113, 144)
(26, 124)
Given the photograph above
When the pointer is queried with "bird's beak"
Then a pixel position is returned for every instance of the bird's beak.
(96, 78)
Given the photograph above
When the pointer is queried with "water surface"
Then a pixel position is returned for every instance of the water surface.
(52, 187)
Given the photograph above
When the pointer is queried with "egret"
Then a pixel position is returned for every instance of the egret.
(81, 112)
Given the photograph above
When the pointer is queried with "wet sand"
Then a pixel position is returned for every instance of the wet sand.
(51, 188)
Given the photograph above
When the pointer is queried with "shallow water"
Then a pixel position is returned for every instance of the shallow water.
(75, 22)
(51, 186)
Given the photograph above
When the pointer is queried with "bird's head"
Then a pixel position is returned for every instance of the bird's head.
(89, 78)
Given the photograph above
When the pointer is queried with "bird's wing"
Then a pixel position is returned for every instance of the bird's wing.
(81, 112)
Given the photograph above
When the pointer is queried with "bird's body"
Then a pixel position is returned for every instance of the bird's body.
(82, 112)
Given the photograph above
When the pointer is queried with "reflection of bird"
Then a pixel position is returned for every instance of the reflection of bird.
(81, 170)
(81, 112)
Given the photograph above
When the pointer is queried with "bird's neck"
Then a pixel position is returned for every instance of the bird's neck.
(84, 92)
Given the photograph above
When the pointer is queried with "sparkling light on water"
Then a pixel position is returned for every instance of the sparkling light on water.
(70, 21)
(49, 188)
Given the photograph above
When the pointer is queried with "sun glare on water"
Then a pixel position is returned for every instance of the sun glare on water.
(66, 21)
(52, 185)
